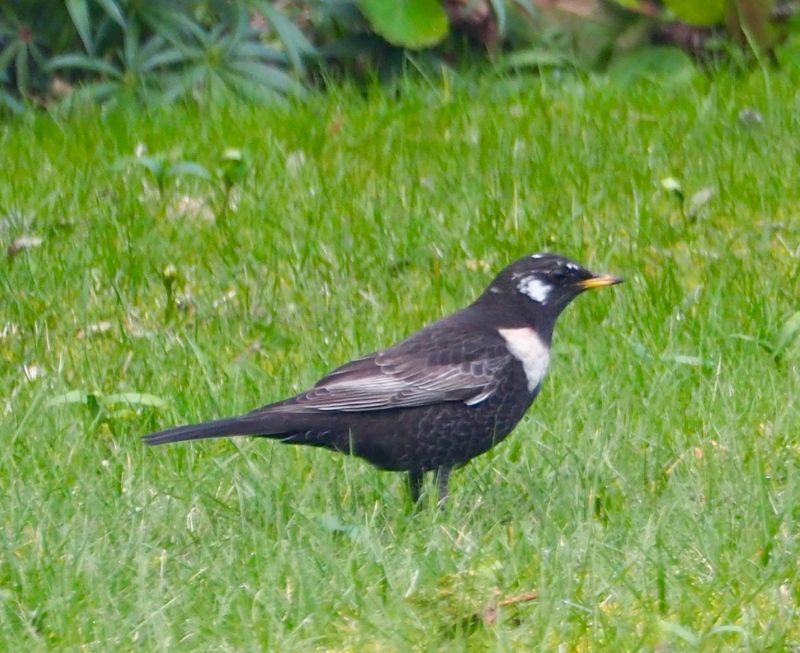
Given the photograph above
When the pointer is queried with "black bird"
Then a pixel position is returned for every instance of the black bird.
(442, 396)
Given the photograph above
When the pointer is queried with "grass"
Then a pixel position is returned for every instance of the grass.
(650, 498)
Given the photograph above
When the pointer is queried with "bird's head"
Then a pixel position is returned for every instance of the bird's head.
(542, 285)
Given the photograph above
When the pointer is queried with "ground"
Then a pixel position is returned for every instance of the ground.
(649, 500)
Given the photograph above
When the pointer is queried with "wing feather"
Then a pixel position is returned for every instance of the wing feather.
(416, 372)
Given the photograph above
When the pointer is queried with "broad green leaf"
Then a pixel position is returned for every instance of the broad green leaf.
(412, 24)
(94, 399)
(79, 12)
(235, 166)
(161, 59)
(218, 86)
(296, 44)
(789, 333)
(699, 12)
(134, 399)
(334, 524)
(114, 12)
(655, 64)
(96, 92)
(499, 9)
(536, 58)
(232, 154)
(71, 397)
(156, 165)
(528, 6)
(680, 632)
(82, 62)
(268, 76)
(251, 50)
(188, 168)
(725, 629)
(185, 24)
(178, 84)
(7, 55)
(685, 359)
(752, 22)
(788, 52)
(699, 199)
(241, 24)
(11, 103)
(21, 66)
(672, 185)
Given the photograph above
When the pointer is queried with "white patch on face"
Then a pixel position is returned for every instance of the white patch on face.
(572, 266)
(528, 349)
(535, 288)
(537, 256)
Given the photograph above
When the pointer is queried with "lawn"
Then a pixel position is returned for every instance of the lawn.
(650, 500)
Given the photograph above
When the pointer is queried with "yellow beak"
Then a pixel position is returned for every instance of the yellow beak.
(599, 281)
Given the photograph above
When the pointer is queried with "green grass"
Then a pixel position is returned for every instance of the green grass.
(651, 496)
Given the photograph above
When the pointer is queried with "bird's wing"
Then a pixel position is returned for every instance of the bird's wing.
(425, 369)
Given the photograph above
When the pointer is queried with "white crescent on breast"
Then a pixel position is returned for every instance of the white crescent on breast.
(527, 347)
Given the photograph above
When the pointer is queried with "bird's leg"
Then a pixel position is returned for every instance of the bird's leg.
(415, 484)
(442, 480)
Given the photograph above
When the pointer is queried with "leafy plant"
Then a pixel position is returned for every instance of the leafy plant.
(746, 21)
(166, 53)
(657, 63)
(786, 337)
(707, 14)
(6, 99)
(154, 51)
(161, 169)
(111, 407)
(20, 52)
(578, 35)
(227, 56)
(354, 40)
(98, 22)
(409, 23)
(298, 47)
(232, 171)
(132, 72)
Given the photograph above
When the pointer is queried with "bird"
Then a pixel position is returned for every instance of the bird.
(442, 396)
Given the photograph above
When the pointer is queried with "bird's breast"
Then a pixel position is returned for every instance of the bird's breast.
(530, 350)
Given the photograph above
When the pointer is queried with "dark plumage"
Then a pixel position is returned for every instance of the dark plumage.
(442, 396)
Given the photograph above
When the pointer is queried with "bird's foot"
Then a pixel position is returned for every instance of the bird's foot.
(415, 485)
(442, 483)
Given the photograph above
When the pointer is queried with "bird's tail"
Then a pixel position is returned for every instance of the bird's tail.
(244, 425)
